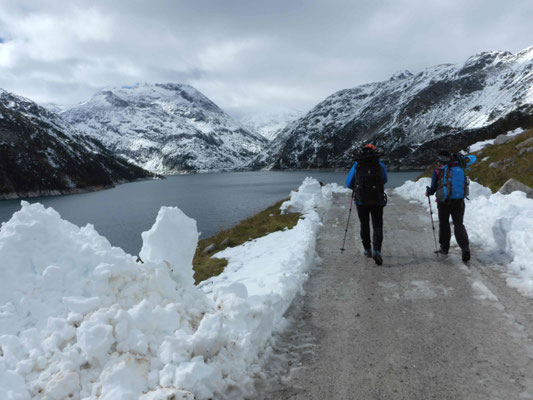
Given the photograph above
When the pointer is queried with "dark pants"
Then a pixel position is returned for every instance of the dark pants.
(364, 213)
(455, 208)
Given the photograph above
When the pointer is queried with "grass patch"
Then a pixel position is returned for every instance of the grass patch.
(511, 164)
(261, 224)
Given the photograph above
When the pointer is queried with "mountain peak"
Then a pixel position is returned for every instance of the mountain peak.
(399, 75)
(409, 118)
(165, 127)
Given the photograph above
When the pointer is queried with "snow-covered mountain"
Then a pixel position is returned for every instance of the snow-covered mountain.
(270, 125)
(42, 154)
(53, 107)
(166, 128)
(410, 116)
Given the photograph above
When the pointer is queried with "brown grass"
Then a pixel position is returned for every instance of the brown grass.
(261, 224)
(519, 167)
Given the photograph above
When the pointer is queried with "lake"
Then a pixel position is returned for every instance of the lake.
(216, 201)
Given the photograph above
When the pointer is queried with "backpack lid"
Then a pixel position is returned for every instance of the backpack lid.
(472, 159)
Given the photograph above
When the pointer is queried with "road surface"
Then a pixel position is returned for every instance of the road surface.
(417, 327)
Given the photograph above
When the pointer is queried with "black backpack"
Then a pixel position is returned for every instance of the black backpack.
(369, 189)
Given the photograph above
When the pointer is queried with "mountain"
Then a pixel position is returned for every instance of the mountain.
(41, 154)
(166, 128)
(53, 107)
(410, 116)
(269, 125)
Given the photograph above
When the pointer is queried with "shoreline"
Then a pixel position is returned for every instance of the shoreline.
(56, 192)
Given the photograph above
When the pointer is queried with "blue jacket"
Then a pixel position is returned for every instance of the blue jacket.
(351, 176)
(434, 181)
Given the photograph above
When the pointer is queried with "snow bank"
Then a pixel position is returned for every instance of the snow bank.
(81, 319)
(496, 223)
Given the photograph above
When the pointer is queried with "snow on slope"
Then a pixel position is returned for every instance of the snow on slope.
(38, 114)
(40, 153)
(497, 225)
(81, 319)
(166, 128)
(408, 110)
(269, 125)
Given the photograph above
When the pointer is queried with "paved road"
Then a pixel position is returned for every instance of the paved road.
(418, 327)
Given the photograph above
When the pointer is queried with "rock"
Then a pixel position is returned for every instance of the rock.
(496, 164)
(209, 249)
(512, 185)
(525, 150)
(502, 139)
(525, 143)
(224, 243)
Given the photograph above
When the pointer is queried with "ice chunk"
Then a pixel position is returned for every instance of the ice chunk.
(172, 239)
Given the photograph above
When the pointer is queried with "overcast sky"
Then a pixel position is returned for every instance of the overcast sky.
(250, 57)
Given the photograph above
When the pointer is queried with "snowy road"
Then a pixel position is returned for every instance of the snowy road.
(418, 327)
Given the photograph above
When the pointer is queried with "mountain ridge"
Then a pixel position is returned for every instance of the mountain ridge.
(166, 128)
(41, 154)
(404, 113)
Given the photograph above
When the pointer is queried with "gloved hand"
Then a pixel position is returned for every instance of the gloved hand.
(427, 191)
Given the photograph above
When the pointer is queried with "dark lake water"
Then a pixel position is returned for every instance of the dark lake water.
(218, 200)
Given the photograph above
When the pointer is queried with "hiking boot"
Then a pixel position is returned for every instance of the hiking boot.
(444, 250)
(376, 255)
(466, 255)
(368, 253)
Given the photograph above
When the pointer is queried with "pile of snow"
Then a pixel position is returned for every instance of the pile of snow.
(480, 145)
(496, 223)
(81, 319)
(310, 195)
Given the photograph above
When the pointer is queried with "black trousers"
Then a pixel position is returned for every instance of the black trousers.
(364, 213)
(455, 208)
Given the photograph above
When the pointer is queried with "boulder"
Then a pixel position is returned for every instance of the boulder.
(525, 150)
(209, 249)
(527, 142)
(224, 243)
(502, 139)
(512, 185)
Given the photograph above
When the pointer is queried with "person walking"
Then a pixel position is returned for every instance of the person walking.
(450, 186)
(367, 180)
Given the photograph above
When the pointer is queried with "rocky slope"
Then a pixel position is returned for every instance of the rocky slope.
(166, 128)
(42, 154)
(411, 116)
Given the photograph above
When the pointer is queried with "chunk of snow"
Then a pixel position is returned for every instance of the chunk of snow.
(480, 145)
(516, 132)
(173, 240)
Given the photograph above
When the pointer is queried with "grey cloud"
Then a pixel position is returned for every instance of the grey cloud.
(248, 56)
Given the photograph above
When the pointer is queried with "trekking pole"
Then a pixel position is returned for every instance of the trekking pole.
(347, 223)
(432, 223)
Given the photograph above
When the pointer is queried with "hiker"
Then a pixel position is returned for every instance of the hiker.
(367, 179)
(450, 186)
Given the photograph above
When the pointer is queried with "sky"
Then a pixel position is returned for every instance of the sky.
(250, 57)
